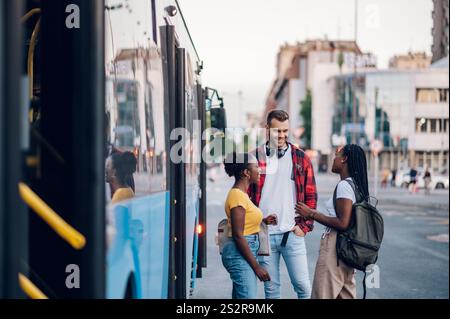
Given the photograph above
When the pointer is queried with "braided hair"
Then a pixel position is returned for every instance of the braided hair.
(125, 165)
(236, 163)
(357, 168)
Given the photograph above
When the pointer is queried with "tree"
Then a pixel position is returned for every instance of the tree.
(306, 114)
(340, 61)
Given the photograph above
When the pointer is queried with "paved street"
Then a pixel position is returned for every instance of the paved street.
(413, 260)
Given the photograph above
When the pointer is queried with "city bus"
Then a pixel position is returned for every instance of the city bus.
(81, 80)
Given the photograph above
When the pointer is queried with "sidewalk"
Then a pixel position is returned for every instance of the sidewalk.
(438, 199)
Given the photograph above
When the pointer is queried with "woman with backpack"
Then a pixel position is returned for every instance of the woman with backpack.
(334, 279)
(244, 218)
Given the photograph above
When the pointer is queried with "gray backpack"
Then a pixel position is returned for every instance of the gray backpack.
(358, 245)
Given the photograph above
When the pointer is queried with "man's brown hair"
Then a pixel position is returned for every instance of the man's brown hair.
(279, 115)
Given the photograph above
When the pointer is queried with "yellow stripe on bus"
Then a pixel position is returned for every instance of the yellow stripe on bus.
(30, 289)
(63, 229)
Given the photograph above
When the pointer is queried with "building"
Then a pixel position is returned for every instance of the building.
(303, 69)
(253, 120)
(406, 110)
(440, 16)
(410, 61)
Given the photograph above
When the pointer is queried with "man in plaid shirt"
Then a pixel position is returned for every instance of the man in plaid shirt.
(287, 178)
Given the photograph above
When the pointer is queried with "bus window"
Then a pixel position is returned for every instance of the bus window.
(135, 94)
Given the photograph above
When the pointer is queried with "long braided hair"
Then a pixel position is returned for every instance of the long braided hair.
(357, 168)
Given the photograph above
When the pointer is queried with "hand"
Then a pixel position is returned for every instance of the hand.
(270, 220)
(262, 273)
(298, 232)
(303, 210)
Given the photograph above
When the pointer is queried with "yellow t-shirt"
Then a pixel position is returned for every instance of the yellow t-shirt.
(253, 215)
(122, 194)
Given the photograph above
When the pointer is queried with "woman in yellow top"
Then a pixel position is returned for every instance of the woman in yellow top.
(239, 254)
(120, 167)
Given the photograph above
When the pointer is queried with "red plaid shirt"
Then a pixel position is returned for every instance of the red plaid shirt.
(305, 183)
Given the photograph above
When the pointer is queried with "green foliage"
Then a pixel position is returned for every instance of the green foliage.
(306, 114)
(340, 60)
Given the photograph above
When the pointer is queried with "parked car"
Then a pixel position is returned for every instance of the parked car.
(437, 181)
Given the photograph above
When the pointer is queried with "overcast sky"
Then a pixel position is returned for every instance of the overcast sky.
(238, 39)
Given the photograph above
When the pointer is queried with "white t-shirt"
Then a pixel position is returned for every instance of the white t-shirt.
(344, 190)
(278, 193)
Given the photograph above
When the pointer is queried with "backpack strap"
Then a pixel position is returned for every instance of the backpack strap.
(334, 198)
(364, 285)
(359, 197)
(334, 206)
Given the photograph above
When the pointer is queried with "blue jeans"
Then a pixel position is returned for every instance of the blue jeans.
(294, 255)
(242, 275)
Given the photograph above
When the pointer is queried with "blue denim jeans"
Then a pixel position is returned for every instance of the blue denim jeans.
(242, 275)
(294, 255)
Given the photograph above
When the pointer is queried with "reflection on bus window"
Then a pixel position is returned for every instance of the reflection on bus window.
(120, 167)
(135, 114)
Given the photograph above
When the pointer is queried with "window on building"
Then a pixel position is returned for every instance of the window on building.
(427, 160)
(443, 96)
(444, 163)
(424, 125)
(421, 125)
(427, 95)
(430, 95)
(443, 125)
(420, 159)
(433, 125)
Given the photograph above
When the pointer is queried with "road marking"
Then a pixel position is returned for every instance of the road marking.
(441, 238)
(392, 213)
(407, 245)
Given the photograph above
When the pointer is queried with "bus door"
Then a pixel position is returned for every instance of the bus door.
(202, 242)
(174, 78)
(63, 183)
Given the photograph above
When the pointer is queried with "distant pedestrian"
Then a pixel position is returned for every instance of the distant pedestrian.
(334, 280)
(427, 181)
(384, 177)
(393, 177)
(412, 180)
